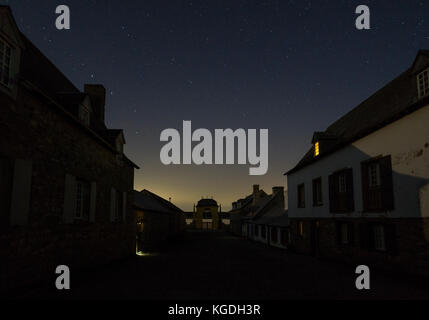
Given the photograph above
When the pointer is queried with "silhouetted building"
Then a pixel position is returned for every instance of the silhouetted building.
(65, 183)
(244, 210)
(157, 221)
(206, 215)
(361, 192)
(270, 223)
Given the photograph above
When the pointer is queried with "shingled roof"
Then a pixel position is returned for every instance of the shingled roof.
(397, 99)
(149, 201)
(45, 80)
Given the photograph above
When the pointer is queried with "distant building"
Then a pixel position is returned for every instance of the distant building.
(361, 193)
(244, 209)
(206, 215)
(157, 221)
(65, 183)
(270, 223)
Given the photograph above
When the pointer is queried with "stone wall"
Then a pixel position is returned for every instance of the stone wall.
(411, 252)
(33, 129)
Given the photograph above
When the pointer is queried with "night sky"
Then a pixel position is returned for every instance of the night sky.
(293, 67)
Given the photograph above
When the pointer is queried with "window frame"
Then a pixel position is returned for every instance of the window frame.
(301, 202)
(317, 193)
(423, 83)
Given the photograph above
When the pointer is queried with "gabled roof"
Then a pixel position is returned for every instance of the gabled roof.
(397, 99)
(146, 200)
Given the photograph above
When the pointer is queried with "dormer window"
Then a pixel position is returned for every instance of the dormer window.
(84, 115)
(316, 149)
(5, 63)
(423, 83)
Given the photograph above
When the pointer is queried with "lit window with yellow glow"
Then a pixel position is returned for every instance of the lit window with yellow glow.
(316, 149)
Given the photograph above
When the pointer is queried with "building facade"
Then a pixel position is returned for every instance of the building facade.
(206, 215)
(66, 185)
(157, 221)
(361, 193)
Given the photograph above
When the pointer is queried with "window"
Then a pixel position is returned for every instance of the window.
(5, 63)
(341, 197)
(264, 232)
(301, 196)
(83, 195)
(379, 238)
(284, 237)
(316, 149)
(207, 214)
(345, 233)
(300, 229)
(274, 234)
(256, 230)
(423, 83)
(317, 192)
(84, 115)
(374, 175)
(377, 185)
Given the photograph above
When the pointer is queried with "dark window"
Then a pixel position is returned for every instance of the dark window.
(256, 230)
(207, 214)
(83, 196)
(345, 233)
(264, 232)
(300, 229)
(274, 234)
(284, 237)
(301, 196)
(377, 185)
(378, 236)
(317, 192)
(341, 198)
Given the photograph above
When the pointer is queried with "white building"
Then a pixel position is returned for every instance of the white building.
(362, 190)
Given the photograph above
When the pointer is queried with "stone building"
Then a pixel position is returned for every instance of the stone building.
(65, 183)
(157, 221)
(361, 193)
(244, 210)
(206, 215)
(270, 223)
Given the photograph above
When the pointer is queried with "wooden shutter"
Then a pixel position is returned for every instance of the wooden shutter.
(365, 186)
(93, 202)
(391, 243)
(365, 236)
(332, 193)
(386, 183)
(350, 190)
(21, 191)
(70, 191)
(351, 233)
(124, 206)
(112, 205)
(338, 234)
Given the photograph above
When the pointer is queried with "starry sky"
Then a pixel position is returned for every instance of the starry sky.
(292, 66)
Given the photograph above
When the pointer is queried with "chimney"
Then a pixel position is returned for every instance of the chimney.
(97, 94)
(279, 192)
(255, 194)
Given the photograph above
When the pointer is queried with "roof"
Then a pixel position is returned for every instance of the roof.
(397, 99)
(50, 83)
(146, 200)
(207, 203)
